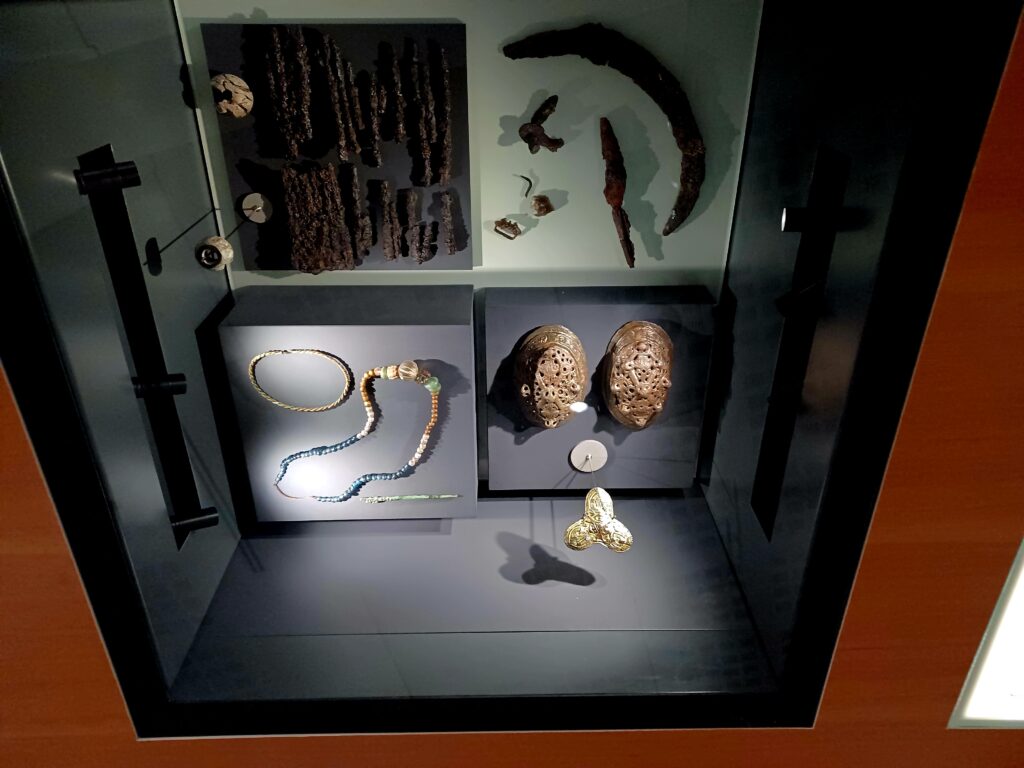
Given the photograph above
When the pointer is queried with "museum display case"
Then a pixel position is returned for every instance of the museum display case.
(462, 366)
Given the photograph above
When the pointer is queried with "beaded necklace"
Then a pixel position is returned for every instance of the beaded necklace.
(405, 371)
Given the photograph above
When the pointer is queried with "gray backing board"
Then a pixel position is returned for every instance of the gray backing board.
(664, 455)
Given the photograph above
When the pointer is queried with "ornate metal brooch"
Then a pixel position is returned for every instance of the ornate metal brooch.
(550, 375)
(636, 381)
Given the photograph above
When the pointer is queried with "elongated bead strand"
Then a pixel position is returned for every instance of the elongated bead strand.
(405, 371)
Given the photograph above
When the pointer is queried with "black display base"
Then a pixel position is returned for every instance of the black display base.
(366, 327)
(488, 606)
(521, 457)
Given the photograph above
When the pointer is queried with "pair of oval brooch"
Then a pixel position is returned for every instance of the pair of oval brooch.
(551, 374)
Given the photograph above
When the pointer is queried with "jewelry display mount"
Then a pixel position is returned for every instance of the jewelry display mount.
(521, 456)
(432, 325)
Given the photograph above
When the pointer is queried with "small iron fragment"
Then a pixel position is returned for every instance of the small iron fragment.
(508, 228)
(541, 205)
(615, 188)
(533, 132)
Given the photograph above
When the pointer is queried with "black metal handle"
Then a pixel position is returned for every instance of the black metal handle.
(801, 307)
(104, 181)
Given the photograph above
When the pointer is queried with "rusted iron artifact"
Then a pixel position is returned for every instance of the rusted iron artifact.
(391, 81)
(331, 63)
(541, 205)
(358, 216)
(368, 86)
(615, 188)
(288, 86)
(606, 47)
(533, 132)
(444, 119)
(419, 138)
(448, 221)
(316, 220)
(387, 219)
(508, 228)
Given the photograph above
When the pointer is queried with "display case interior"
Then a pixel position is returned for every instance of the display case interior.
(503, 398)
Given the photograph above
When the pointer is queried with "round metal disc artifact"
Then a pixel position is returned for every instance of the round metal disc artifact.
(257, 208)
(550, 375)
(588, 456)
(635, 380)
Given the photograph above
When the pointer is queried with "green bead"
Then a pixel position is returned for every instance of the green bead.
(433, 385)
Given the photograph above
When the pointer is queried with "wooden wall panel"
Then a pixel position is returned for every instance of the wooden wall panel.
(950, 517)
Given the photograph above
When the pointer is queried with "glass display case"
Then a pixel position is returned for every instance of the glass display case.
(463, 366)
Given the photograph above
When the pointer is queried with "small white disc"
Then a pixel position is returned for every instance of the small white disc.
(256, 208)
(589, 456)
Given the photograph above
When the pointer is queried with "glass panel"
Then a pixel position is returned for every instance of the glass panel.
(76, 76)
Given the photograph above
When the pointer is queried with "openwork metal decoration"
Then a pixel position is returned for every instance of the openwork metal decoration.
(550, 375)
(598, 525)
(636, 381)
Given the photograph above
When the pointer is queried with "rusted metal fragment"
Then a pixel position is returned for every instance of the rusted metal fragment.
(352, 90)
(289, 88)
(448, 221)
(533, 132)
(508, 228)
(409, 201)
(452, 226)
(445, 128)
(541, 205)
(615, 187)
(419, 135)
(427, 90)
(358, 216)
(419, 238)
(368, 88)
(390, 77)
(387, 219)
(334, 80)
(606, 47)
(316, 220)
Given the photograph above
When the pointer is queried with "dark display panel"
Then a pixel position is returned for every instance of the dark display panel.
(255, 156)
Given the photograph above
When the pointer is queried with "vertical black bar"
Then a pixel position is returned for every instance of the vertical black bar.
(801, 308)
(103, 180)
